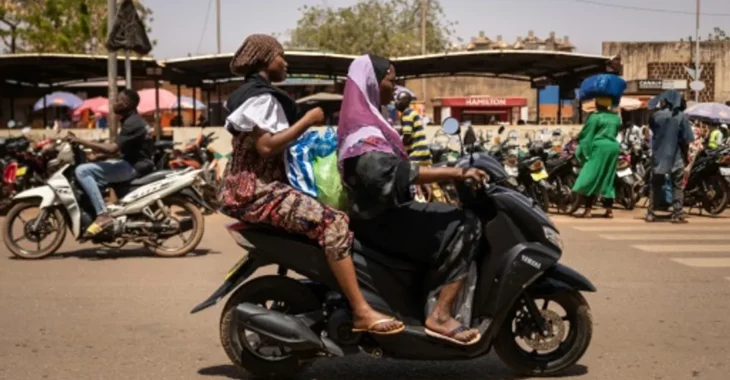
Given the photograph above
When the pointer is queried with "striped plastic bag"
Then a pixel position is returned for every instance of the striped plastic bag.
(300, 163)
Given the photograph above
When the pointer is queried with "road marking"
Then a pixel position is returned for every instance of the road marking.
(688, 248)
(619, 221)
(720, 262)
(662, 237)
(652, 228)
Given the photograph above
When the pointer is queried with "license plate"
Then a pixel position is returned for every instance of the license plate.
(539, 176)
(238, 265)
(725, 172)
(624, 173)
(21, 171)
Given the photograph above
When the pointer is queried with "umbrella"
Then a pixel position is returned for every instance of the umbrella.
(58, 99)
(93, 104)
(187, 102)
(626, 104)
(712, 112)
(147, 101)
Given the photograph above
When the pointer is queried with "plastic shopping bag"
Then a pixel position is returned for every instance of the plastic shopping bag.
(326, 172)
(300, 163)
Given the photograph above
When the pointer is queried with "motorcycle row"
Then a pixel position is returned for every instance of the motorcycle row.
(42, 199)
(545, 169)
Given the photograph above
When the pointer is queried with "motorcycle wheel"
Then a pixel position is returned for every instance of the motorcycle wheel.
(627, 196)
(530, 361)
(243, 347)
(188, 244)
(567, 205)
(719, 201)
(54, 222)
(542, 197)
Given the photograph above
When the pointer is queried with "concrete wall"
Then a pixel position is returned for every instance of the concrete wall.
(637, 57)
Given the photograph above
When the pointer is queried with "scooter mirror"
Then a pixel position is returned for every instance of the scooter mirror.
(450, 126)
(501, 129)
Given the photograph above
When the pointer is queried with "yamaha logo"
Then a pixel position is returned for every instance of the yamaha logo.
(531, 262)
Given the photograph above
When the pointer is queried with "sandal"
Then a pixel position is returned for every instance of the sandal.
(371, 329)
(95, 228)
(450, 336)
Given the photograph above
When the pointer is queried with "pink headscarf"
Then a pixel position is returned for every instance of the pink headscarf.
(362, 128)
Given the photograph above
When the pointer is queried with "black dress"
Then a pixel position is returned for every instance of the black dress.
(385, 217)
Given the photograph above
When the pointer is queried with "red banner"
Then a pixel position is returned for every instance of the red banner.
(483, 102)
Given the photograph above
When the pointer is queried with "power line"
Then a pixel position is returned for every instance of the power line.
(644, 9)
(205, 26)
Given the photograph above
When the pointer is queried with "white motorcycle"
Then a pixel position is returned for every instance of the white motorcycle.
(143, 214)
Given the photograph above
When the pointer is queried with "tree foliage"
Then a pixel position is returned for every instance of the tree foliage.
(717, 34)
(58, 26)
(384, 27)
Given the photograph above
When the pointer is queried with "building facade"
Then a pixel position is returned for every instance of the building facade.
(651, 67)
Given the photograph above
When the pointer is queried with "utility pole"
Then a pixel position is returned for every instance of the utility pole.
(218, 23)
(697, 51)
(112, 72)
(424, 12)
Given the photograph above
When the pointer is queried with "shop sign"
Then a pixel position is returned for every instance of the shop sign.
(484, 101)
(662, 84)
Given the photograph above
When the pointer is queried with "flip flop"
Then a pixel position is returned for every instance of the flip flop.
(381, 321)
(450, 336)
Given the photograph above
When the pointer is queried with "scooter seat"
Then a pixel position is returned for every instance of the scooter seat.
(280, 241)
(149, 178)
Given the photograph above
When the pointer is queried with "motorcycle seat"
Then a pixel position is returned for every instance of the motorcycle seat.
(278, 239)
(149, 178)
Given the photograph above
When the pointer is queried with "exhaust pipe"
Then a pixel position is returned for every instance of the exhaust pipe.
(289, 330)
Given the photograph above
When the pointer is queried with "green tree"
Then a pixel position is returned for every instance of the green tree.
(384, 27)
(58, 26)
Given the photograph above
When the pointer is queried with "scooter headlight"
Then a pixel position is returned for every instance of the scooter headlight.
(553, 237)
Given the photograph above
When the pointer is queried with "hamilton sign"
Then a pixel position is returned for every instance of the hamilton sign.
(485, 101)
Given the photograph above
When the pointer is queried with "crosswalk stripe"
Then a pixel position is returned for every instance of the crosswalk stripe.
(687, 248)
(619, 221)
(650, 228)
(663, 237)
(719, 262)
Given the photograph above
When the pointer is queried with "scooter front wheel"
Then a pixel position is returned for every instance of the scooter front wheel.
(568, 322)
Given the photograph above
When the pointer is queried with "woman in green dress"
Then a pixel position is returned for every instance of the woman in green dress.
(598, 152)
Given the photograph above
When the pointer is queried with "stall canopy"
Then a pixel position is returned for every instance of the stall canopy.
(58, 69)
(195, 70)
(58, 99)
(533, 65)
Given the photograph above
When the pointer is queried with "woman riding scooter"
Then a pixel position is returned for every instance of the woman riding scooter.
(378, 176)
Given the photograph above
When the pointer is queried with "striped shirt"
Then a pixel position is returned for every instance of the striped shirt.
(414, 138)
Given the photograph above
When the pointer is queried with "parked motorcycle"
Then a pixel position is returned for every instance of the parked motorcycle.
(142, 215)
(278, 326)
(625, 182)
(707, 187)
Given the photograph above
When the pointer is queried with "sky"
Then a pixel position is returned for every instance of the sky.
(182, 29)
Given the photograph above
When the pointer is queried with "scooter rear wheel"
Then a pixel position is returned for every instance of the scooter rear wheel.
(556, 356)
(278, 293)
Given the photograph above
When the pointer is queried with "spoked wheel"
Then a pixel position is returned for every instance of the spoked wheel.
(525, 349)
(183, 228)
(253, 352)
(29, 237)
(716, 197)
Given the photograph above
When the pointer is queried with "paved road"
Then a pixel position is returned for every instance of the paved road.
(662, 310)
